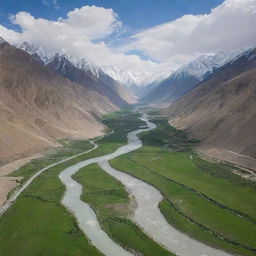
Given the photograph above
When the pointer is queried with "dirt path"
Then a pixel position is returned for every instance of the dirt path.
(14, 196)
(8, 183)
(147, 214)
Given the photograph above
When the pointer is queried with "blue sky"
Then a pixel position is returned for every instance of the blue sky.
(147, 38)
(137, 14)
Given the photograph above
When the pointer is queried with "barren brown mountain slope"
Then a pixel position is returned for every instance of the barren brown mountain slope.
(222, 113)
(104, 84)
(38, 106)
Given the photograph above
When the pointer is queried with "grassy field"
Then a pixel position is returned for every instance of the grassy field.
(37, 224)
(69, 148)
(121, 122)
(110, 200)
(201, 198)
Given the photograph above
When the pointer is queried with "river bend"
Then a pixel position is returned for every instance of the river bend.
(146, 215)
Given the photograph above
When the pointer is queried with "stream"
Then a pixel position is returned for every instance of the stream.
(146, 215)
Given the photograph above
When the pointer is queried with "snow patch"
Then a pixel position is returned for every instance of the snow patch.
(203, 65)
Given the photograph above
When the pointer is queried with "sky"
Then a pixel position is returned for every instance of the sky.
(145, 37)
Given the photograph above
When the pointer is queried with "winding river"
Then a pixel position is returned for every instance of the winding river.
(10, 201)
(147, 214)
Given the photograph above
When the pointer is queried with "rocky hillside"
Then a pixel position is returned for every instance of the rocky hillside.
(38, 106)
(221, 111)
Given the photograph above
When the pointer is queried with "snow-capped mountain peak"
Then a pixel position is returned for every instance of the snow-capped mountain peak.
(188, 76)
(84, 64)
(125, 77)
(206, 64)
(47, 56)
(249, 54)
(197, 68)
(44, 54)
(132, 79)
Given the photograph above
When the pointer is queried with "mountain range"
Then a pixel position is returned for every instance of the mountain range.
(124, 77)
(46, 96)
(40, 104)
(221, 111)
(186, 78)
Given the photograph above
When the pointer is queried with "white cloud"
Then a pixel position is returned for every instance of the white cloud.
(229, 26)
(9, 35)
(76, 36)
(89, 22)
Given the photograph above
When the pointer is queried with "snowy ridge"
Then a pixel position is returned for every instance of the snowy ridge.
(47, 56)
(132, 79)
(187, 77)
(198, 68)
(205, 64)
(125, 77)
(84, 64)
(44, 55)
(249, 54)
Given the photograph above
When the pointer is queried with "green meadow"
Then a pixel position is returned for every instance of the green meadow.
(108, 197)
(203, 199)
(37, 223)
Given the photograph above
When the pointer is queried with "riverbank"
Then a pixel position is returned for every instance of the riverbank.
(114, 207)
(147, 216)
(7, 182)
(205, 200)
(180, 178)
(38, 214)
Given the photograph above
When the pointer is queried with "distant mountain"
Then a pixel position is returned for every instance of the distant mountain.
(221, 111)
(124, 77)
(102, 83)
(39, 106)
(121, 90)
(133, 79)
(187, 77)
(80, 70)
(37, 50)
(141, 91)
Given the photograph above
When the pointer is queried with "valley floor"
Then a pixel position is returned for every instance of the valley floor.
(8, 183)
(248, 164)
(205, 200)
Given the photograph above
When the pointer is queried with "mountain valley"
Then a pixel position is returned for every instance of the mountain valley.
(128, 128)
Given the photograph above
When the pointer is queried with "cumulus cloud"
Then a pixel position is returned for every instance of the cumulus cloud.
(229, 26)
(9, 35)
(89, 22)
(81, 34)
